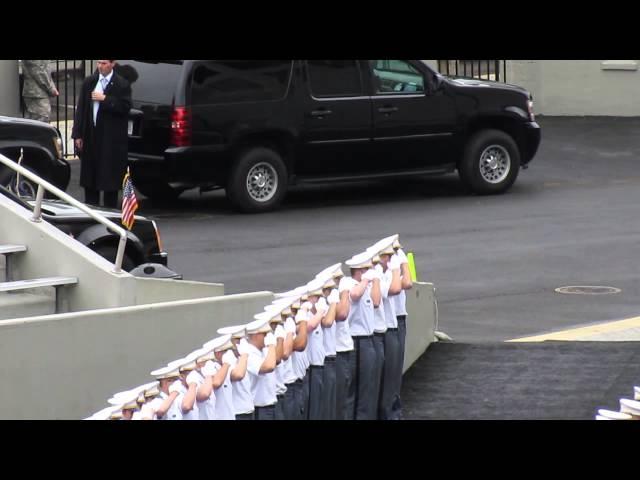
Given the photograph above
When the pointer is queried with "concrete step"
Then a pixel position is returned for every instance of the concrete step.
(21, 304)
(37, 282)
(5, 249)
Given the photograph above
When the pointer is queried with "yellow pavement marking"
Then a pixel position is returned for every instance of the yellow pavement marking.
(580, 332)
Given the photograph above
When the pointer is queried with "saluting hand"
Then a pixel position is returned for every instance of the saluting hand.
(98, 96)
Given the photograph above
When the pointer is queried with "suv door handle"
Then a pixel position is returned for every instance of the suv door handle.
(320, 113)
(387, 109)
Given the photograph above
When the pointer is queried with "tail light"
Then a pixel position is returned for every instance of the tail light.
(532, 116)
(180, 127)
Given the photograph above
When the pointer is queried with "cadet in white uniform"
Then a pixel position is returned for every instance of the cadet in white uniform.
(328, 324)
(390, 286)
(190, 382)
(224, 392)
(127, 400)
(205, 397)
(364, 296)
(277, 329)
(315, 350)
(169, 409)
(300, 362)
(243, 408)
(400, 305)
(261, 365)
(285, 408)
(345, 355)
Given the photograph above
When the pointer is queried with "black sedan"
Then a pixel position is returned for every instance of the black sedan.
(143, 241)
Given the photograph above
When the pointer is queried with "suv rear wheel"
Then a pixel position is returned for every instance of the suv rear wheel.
(258, 180)
(491, 162)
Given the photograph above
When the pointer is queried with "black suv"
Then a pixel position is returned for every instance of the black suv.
(254, 127)
(40, 146)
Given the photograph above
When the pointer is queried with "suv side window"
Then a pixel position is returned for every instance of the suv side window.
(396, 77)
(239, 81)
(334, 78)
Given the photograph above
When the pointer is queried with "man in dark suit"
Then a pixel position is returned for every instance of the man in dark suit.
(100, 133)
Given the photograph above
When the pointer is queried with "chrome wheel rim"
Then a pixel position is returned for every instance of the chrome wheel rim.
(262, 182)
(495, 164)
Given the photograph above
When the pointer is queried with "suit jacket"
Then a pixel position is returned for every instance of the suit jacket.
(103, 160)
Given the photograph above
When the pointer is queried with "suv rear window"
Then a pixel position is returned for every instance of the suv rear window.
(157, 80)
(334, 78)
(231, 81)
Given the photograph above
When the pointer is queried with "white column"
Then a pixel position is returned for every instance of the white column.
(9, 88)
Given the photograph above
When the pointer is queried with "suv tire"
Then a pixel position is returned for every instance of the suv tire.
(258, 180)
(491, 162)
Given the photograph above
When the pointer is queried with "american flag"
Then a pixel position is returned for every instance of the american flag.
(129, 201)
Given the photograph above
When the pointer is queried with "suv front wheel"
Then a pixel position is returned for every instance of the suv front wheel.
(491, 162)
(258, 180)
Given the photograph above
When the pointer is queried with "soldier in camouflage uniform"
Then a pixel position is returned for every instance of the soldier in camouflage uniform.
(38, 87)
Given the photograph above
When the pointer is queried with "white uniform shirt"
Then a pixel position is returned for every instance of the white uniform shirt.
(288, 375)
(400, 303)
(387, 300)
(263, 388)
(207, 408)
(224, 395)
(379, 320)
(174, 412)
(315, 346)
(300, 363)
(150, 408)
(279, 376)
(194, 414)
(242, 397)
(360, 318)
(329, 339)
(344, 342)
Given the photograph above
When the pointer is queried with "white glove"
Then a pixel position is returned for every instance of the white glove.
(394, 263)
(209, 369)
(334, 296)
(269, 339)
(280, 333)
(243, 347)
(371, 274)
(176, 386)
(302, 316)
(229, 357)
(345, 284)
(401, 256)
(321, 306)
(306, 306)
(290, 326)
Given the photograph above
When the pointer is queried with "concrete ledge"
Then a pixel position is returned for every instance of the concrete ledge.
(619, 65)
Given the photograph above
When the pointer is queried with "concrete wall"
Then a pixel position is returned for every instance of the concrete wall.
(67, 366)
(156, 290)
(579, 87)
(78, 360)
(9, 89)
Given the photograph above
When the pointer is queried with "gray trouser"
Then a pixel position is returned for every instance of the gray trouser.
(366, 388)
(316, 380)
(265, 413)
(290, 398)
(306, 390)
(279, 410)
(298, 409)
(329, 388)
(345, 384)
(402, 337)
(378, 345)
(390, 387)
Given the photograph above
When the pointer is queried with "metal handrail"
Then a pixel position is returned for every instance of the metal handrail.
(37, 209)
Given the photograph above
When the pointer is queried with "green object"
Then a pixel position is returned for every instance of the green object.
(412, 267)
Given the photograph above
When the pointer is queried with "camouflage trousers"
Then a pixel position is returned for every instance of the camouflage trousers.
(37, 109)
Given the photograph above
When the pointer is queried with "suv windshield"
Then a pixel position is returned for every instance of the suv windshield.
(156, 80)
